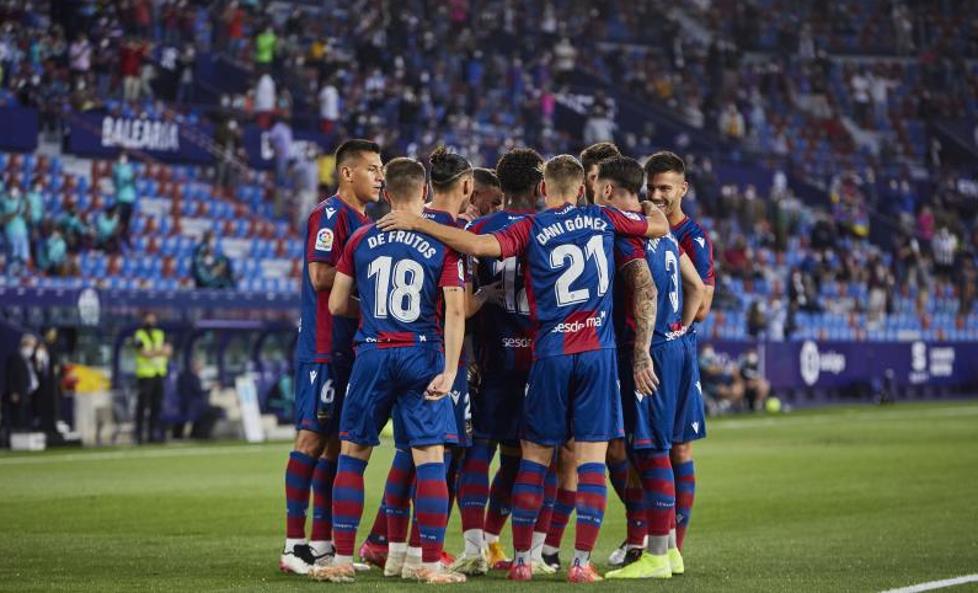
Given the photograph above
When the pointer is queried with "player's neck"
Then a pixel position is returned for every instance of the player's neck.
(554, 202)
(523, 203)
(676, 216)
(350, 199)
(446, 203)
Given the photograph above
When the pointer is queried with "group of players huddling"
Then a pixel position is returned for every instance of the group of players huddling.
(579, 324)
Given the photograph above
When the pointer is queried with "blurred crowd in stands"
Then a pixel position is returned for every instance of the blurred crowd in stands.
(844, 95)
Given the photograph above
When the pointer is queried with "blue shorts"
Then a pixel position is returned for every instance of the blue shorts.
(384, 377)
(497, 406)
(650, 419)
(573, 396)
(320, 388)
(690, 413)
(460, 407)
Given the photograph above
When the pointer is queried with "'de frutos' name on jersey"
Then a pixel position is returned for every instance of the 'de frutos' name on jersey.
(568, 271)
(399, 277)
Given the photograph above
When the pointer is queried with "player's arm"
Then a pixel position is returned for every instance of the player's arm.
(441, 385)
(321, 275)
(475, 299)
(706, 303)
(638, 282)
(459, 240)
(694, 291)
(341, 296)
(658, 224)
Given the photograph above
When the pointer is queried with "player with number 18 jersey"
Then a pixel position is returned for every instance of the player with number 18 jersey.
(399, 277)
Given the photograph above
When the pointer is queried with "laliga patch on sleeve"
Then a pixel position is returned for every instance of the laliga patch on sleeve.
(631, 215)
(324, 240)
(461, 271)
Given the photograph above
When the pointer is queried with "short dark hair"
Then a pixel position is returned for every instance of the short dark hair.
(519, 171)
(594, 154)
(446, 168)
(402, 176)
(485, 177)
(624, 171)
(664, 161)
(353, 148)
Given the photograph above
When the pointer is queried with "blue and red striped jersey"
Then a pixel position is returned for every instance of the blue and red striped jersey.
(446, 218)
(697, 245)
(662, 256)
(502, 335)
(568, 273)
(399, 278)
(329, 227)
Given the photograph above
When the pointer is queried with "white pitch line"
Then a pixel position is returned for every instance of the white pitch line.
(971, 578)
(135, 454)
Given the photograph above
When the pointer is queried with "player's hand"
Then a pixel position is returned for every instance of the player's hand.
(470, 214)
(648, 207)
(440, 386)
(492, 293)
(645, 380)
(398, 220)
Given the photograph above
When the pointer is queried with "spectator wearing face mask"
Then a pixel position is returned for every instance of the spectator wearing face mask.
(210, 267)
(124, 180)
(152, 361)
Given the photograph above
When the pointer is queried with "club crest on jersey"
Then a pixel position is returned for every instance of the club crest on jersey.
(324, 240)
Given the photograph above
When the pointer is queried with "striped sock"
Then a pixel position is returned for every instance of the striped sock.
(298, 477)
(549, 498)
(347, 503)
(378, 531)
(432, 505)
(451, 477)
(618, 474)
(473, 485)
(660, 491)
(635, 516)
(501, 493)
(592, 498)
(397, 496)
(322, 500)
(527, 500)
(563, 507)
(685, 477)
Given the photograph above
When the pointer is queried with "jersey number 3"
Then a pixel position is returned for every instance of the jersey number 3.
(399, 290)
(559, 257)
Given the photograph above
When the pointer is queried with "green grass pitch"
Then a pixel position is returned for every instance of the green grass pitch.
(846, 499)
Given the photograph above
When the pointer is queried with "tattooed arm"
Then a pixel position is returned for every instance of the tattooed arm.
(638, 282)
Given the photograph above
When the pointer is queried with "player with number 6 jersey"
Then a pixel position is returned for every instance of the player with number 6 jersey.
(323, 357)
